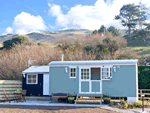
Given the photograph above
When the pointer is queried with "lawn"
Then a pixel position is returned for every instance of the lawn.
(141, 50)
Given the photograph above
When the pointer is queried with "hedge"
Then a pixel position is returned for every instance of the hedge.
(144, 77)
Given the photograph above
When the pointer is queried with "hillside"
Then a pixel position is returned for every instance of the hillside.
(50, 35)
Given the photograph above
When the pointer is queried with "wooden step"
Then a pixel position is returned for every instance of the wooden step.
(89, 98)
(87, 102)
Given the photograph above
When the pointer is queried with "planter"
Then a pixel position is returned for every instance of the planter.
(37, 98)
(71, 100)
(106, 100)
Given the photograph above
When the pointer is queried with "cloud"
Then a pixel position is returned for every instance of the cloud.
(65, 7)
(92, 16)
(25, 23)
(8, 30)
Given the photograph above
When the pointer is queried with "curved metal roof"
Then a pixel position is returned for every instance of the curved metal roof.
(93, 62)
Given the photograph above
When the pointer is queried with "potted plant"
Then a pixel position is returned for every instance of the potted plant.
(17, 91)
(106, 98)
(71, 98)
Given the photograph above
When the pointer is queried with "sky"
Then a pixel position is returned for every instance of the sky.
(26, 16)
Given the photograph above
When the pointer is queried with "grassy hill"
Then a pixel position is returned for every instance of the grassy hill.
(50, 35)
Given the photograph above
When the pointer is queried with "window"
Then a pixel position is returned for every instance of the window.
(72, 72)
(84, 74)
(106, 73)
(32, 79)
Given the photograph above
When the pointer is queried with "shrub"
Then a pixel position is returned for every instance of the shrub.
(135, 104)
(71, 100)
(112, 103)
(71, 95)
(125, 105)
(105, 95)
(106, 100)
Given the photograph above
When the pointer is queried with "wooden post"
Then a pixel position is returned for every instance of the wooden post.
(141, 95)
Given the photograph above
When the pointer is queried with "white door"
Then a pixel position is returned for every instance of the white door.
(45, 84)
(86, 85)
(84, 80)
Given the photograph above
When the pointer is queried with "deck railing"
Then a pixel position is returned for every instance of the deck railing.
(146, 93)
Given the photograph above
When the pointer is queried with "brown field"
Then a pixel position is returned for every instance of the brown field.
(50, 109)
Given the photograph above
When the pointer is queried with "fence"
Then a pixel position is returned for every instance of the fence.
(145, 91)
(10, 86)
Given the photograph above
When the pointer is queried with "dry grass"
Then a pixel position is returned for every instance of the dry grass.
(69, 110)
(1, 45)
(15, 60)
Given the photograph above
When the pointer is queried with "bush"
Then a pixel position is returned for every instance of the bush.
(106, 100)
(125, 105)
(71, 100)
(135, 104)
(105, 95)
(112, 103)
(143, 77)
(71, 95)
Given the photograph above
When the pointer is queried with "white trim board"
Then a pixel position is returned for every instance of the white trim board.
(90, 65)
(45, 84)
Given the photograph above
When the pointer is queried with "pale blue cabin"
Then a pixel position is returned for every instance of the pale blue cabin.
(117, 78)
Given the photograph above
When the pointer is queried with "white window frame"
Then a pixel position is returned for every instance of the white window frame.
(36, 79)
(108, 72)
(71, 72)
(86, 74)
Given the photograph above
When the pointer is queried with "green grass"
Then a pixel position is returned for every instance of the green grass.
(141, 50)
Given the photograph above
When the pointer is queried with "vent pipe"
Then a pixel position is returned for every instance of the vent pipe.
(62, 57)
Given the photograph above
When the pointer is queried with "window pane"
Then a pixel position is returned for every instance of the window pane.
(71, 70)
(87, 77)
(81, 73)
(104, 73)
(29, 76)
(84, 73)
(81, 76)
(87, 70)
(71, 74)
(74, 70)
(84, 70)
(81, 70)
(34, 76)
(29, 81)
(84, 77)
(34, 81)
(110, 74)
(104, 69)
(87, 73)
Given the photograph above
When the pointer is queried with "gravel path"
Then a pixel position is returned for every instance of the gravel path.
(51, 109)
